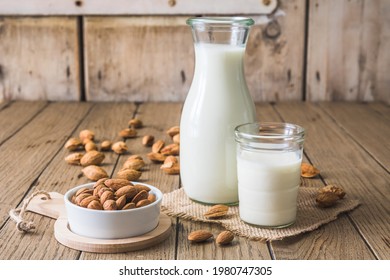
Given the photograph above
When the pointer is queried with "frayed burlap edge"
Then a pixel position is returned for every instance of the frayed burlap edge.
(309, 216)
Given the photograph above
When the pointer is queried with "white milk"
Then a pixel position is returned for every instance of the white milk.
(268, 187)
(217, 102)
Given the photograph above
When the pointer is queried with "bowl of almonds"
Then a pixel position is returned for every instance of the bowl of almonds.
(113, 209)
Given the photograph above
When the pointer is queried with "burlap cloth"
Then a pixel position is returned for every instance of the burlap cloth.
(309, 216)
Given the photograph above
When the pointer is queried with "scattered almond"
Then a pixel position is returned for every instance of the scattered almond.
(171, 168)
(173, 131)
(224, 238)
(171, 150)
(308, 170)
(157, 146)
(94, 172)
(129, 174)
(199, 236)
(148, 140)
(176, 138)
(135, 164)
(128, 133)
(327, 199)
(216, 211)
(73, 144)
(85, 135)
(156, 157)
(92, 158)
(119, 147)
(333, 189)
(105, 145)
(90, 146)
(136, 123)
(74, 158)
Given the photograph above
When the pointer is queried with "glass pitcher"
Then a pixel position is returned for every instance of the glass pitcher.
(218, 101)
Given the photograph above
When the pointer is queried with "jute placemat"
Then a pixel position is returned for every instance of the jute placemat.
(309, 216)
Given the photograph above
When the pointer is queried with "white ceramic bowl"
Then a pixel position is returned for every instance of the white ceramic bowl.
(112, 224)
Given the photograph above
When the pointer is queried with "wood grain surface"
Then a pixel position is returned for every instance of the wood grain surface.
(33, 158)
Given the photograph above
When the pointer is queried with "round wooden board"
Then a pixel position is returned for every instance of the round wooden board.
(66, 237)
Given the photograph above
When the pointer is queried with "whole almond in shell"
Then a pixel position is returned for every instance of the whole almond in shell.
(128, 133)
(308, 170)
(140, 196)
(156, 157)
(216, 211)
(74, 158)
(110, 205)
(84, 203)
(95, 204)
(171, 150)
(148, 140)
(116, 183)
(135, 122)
(94, 172)
(157, 146)
(129, 174)
(73, 144)
(121, 201)
(224, 238)
(119, 147)
(173, 131)
(135, 164)
(105, 145)
(142, 203)
(128, 206)
(128, 191)
(92, 158)
(90, 146)
(171, 168)
(199, 236)
(85, 135)
(176, 138)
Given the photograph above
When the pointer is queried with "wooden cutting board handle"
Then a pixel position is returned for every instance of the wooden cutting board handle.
(53, 208)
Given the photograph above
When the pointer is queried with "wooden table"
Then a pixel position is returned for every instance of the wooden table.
(348, 142)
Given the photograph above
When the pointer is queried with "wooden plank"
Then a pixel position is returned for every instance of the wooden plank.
(135, 7)
(343, 162)
(39, 58)
(152, 58)
(381, 108)
(347, 50)
(145, 58)
(366, 127)
(105, 119)
(275, 55)
(20, 113)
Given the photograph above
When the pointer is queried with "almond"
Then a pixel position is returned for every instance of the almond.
(106, 195)
(334, 189)
(90, 146)
(199, 236)
(308, 170)
(128, 133)
(105, 145)
(85, 202)
(92, 158)
(216, 211)
(140, 187)
(136, 123)
(129, 191)
(140, 196)
(128, 174)
(147, 140)
(80, 197)
(73, 144)
(176, 138)
(224, 238)
(85, 135)
(119, 147)
(121, 201)
(95, 204)
(157, 146)
(152, 197)
(94, 172)
(171, 150)
(327, 199)
(172, 159)
(156, 157)
(99, 189)
(142, 203)
(74, 158)
(171, 168)
(116, 184)
(84, 190)
(129, 205)
(173, 131)
(110, 205)
(135, 164)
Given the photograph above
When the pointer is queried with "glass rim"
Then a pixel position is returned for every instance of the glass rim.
(221, 21)
(298, 132)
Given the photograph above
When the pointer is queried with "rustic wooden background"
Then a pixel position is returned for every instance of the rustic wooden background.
(304, 50)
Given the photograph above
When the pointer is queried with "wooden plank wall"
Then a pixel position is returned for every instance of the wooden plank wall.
(308, 50)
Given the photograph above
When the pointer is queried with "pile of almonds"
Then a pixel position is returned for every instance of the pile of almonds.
(113, 194)
(87, 153)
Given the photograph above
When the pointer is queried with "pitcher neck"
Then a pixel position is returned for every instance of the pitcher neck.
(220, 30)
